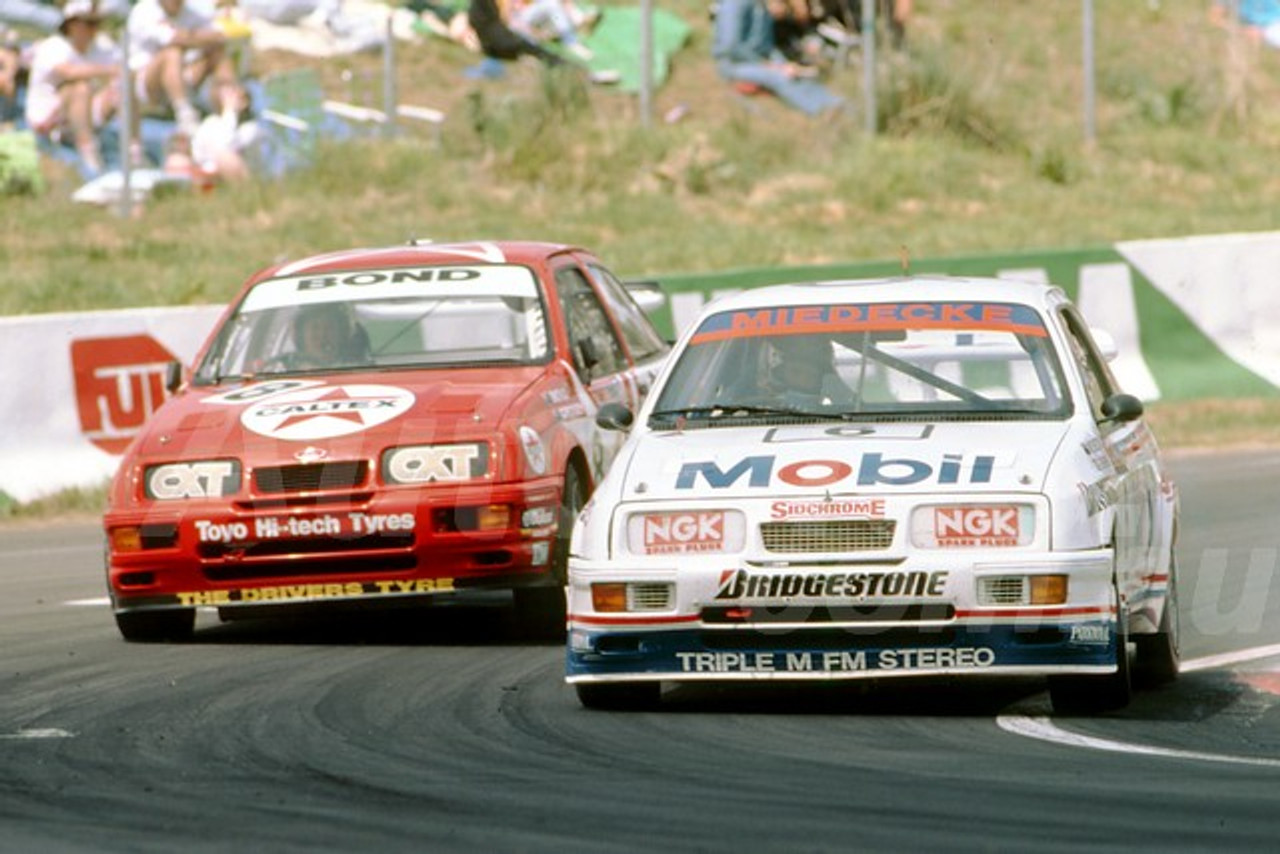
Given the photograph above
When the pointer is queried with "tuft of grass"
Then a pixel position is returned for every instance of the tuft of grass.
(84, 502)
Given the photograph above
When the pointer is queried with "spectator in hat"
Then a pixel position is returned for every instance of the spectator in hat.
(173, 49)
(73, 86)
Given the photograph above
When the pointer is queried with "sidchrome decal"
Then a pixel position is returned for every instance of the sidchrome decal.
(740, 585)
(322, 412)
(877, 317)
(872, 470)
(311, 592)
(828, 508)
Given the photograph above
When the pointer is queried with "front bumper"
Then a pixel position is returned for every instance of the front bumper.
(389, 545)
(706, 635)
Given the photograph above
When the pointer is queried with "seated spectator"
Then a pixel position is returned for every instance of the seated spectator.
(73, 89)
(499, 43)
(1261, 18)
(533, 18)
(745, 51)
(221, 145)
(173, 49)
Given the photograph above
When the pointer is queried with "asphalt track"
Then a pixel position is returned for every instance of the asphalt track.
(444, 731)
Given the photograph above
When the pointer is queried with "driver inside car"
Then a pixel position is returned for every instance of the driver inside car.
(327, 336)
(800, 371)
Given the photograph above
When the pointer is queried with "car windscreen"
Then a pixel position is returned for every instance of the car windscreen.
(891, 361)
(388, 318)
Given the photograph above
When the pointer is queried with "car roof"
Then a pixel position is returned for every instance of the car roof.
(419, 252)
(925, 288)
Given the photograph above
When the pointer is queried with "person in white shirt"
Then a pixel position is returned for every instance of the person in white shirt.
(173, 49)
(73, 88)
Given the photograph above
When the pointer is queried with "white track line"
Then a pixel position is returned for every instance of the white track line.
(1043, 729)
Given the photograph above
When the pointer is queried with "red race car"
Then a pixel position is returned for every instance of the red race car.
(380, 426)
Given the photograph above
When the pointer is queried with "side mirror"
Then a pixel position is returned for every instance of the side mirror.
(614, 416)
(1121, 408)
(172, 377)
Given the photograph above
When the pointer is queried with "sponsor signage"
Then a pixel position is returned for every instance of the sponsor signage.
(872, 469)
(741, 585)
(119, 383)
(690, 532)
(325, 411)
(976, 526)
(927, 658)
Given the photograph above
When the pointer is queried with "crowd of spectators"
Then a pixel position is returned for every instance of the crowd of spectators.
(192, 113)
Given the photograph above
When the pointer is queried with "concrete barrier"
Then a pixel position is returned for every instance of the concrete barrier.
(1192, 317)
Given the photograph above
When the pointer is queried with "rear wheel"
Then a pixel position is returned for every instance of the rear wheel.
(541, 610)
(1159, 654)
(1089, 695)
(154, 626)
(619, 696)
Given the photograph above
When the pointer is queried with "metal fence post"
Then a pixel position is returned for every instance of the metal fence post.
(126, 130)
(389, 105)
(1090, 107)
(869, 65)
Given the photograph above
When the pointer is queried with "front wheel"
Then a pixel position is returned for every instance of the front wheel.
(155, 626)
(1090, 695)
(1158, 655)
(541, 610)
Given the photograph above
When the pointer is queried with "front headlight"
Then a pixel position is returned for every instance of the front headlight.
(201, 479)
(950, 526)
(435, 463)
(686, 532)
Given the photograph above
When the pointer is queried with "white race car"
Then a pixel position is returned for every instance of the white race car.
(864, 479)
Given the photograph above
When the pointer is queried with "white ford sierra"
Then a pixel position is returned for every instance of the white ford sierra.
(915, 477)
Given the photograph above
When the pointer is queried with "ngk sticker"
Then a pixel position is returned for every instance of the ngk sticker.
(322, 412)
(976, 526)
(685, 533)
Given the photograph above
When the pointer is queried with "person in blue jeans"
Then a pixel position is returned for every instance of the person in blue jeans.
(744, 50)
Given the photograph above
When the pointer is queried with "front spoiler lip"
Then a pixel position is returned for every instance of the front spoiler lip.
(695, 655)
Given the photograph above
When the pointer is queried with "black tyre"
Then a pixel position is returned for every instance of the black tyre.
(1159, 655)
(541, 610)
(155, 626)
(619, 696)
(1091, 695)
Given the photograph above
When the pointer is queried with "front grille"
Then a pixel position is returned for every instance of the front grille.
(310, 478)
(283, 569)
(650, 596)
(1003, 590)
(300, 546)
(828, 535)
(773, 640)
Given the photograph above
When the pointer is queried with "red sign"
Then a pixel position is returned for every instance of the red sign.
(668, 533)
(119, 383)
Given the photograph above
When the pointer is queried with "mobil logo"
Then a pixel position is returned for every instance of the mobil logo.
(969, 522)
(119, 383)
(871, 469)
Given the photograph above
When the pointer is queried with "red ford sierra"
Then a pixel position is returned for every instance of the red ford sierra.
(380, 426)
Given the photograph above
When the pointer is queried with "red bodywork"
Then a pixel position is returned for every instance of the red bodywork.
(314, 518)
